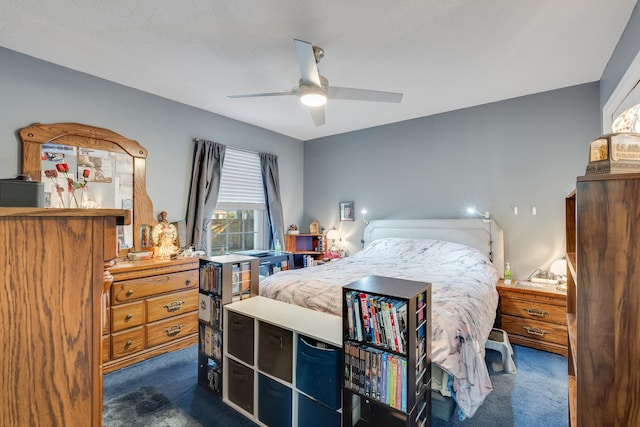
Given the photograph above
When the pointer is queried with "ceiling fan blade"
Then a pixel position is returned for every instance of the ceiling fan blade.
(307, 60)
(363, 94)
(317, 113)
(254, 95)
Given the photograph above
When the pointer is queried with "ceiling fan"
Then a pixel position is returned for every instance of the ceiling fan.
(314, 90)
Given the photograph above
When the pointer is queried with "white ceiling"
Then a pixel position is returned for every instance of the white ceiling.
(442, 54)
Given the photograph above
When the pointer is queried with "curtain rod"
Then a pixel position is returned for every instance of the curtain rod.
(235, 148)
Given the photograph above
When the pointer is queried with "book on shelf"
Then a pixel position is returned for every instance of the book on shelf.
(377, 320)
(210, 274)
(420, 311)
(349, 304)
(214, 375)
(210, 309)
(216, 344)
(364, 309)
(375, 373)
(206, 341)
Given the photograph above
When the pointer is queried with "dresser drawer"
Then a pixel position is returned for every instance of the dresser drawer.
(166, 306)
(127, 316)
(533, 310)
(106, 348)
(106, 326)
(127, 342)
(535, 330)
(170, 329)
(135, 289)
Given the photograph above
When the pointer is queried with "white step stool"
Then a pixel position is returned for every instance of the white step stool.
(499, 341)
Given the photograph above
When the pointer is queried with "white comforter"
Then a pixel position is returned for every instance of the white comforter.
(464, 300)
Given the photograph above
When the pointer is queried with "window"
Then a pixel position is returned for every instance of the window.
(239, 220)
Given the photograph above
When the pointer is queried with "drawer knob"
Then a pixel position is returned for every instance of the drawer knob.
(187, 282)
(128, 344)
(535, 312)
(173, 306)
(535, 331)
(129, 293)
(128, 317)
(174, 330)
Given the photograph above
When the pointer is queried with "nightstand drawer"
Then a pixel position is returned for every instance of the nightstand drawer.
(533, 310)
(535, 330)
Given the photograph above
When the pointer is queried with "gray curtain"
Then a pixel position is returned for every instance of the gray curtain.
(208, 158)
(271, 183)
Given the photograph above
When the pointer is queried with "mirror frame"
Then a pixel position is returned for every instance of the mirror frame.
(85, 136)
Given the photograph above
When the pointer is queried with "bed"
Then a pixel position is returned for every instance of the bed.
(457, 256)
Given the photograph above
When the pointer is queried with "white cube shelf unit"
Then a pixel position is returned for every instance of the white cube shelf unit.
(283, 363)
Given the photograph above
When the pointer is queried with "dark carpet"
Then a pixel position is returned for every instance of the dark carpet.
(535, 396)
(145, 407)
(175, 375)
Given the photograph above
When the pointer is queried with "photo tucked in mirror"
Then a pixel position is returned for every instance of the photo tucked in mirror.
(78, 177)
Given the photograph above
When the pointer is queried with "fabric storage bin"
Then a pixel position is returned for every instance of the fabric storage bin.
(240, 340)
(318, 372)
(274, 402)
(275, 351)
(240, 385)
(313, 414)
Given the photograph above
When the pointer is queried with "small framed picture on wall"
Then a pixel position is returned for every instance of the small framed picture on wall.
(346, 211)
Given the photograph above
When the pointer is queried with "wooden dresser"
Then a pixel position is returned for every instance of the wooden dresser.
(152, 308)
(603, 303)
(53, 273)
(534, 316)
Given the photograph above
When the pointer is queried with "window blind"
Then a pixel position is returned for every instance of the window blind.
(241, 181)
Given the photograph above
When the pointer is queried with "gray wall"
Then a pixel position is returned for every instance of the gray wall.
(37, 91)
(521, 152)
(524, 152)
(624, 54)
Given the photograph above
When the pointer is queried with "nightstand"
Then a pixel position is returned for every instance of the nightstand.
(534, 315)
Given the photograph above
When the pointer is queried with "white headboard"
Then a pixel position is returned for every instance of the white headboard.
(484, 235)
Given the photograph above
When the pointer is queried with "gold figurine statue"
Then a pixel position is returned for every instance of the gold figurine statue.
(164, 238)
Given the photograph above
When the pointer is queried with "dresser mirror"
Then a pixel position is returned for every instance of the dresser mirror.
(107, 171)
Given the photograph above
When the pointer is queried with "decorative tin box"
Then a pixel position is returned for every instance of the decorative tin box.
(614, 153)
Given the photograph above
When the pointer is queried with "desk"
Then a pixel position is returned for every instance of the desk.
(270, 262)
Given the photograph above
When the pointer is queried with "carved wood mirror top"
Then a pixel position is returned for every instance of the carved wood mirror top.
(93, 138)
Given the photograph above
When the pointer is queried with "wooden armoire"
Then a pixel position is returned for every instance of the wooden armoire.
(603, 300)
(51, 313)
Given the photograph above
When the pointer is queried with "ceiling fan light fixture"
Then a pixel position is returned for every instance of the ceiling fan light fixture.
(313, 99)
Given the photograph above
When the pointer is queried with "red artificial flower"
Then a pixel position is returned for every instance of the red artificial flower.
(85, 173)
(62, 167)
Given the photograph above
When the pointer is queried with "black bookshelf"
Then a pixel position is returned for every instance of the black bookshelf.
(223, 279)
(387, 353)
